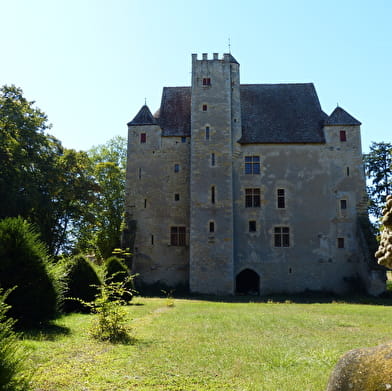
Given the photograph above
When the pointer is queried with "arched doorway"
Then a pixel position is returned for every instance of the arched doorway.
(247, 283)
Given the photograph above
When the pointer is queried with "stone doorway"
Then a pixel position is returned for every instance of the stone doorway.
(247, 283)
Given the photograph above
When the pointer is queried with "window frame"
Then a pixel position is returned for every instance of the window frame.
(340, 242)
(252, 164)
(143, 138)
(281, 198)
(282, 236)
(342, 136)
(206, 82)
(252, 226)
(178, 236)
(252, 197)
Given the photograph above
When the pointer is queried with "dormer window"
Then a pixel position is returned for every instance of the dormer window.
(343, 135)
(206, 81)
(143, 138)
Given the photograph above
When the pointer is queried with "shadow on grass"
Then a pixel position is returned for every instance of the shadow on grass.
(300, 298)
(47, 332)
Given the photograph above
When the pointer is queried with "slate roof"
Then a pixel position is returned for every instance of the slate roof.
(143, 117)
(281, 113)
(341, 117)
(174, 115)
(270, 113)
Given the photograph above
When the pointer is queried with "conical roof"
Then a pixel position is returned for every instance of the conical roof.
(143, 117)
(341, 117)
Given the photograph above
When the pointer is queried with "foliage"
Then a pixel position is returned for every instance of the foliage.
(12, 355)
(116, 271)
(24, 265)
(39, 179)
(378, 165)
(102, 233)
(81, 282)
(111, 321)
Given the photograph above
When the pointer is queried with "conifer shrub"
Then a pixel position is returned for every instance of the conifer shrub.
(24, 264)
(12, 374)
(116, 271)
(81, 282)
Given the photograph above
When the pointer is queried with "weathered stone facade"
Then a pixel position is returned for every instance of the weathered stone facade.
(246, 188)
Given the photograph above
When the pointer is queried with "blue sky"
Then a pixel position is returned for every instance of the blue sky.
(89, 64)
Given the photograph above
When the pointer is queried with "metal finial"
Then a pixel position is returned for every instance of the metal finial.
(145, 101)
(229, 46)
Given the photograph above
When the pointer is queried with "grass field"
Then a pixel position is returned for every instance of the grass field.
(201, 345)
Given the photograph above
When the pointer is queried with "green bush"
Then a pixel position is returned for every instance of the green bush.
(12, 376)
(81, 282)
(24, 264)
(116, 271)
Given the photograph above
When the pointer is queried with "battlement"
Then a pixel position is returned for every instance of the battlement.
(227, 57)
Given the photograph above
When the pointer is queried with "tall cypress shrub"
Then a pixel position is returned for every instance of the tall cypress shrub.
(24, 266)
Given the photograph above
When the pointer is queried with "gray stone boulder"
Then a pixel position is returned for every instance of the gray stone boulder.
(367, 369)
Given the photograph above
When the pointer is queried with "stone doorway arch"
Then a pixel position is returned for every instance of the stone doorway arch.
(247, 282)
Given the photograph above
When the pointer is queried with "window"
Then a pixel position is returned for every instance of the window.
(211, 227)
(207, 132)
(206, 81)
(343, 135)
(176, 197)
(252, 164)
(343, 204)
(204, 107)
(252, 226)
(176, 167)
(347, 171)
(252, 198)
(140, 173)
(143, 138)
(183, 139)
(212, 194)
(145, 203)
(212, 159)
(340, 243)
(282, 237)
(280, 199)
(152, 240)
(177, 236)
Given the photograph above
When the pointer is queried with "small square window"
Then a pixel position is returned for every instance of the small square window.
(183, 140)
(176, 168)
(252, 226)
(204, 107)
(343, 204)
(343, 135)
(340, 243)
(206, 81)
(143, 138)
(176, 197)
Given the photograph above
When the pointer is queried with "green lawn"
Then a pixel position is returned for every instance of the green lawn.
(205, 345)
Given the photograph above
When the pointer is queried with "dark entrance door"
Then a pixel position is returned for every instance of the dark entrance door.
(248, 283)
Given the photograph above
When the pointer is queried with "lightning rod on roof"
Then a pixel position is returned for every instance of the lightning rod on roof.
(229, 46)
(145, 101)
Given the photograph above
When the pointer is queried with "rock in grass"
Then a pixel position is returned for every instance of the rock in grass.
(367, 369)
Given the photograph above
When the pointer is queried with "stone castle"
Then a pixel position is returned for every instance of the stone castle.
(246, 188)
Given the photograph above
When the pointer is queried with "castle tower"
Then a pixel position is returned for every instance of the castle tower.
(215, 105)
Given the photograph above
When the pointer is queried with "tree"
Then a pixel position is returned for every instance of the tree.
(103, 232)
(39, 179)
(378, 165)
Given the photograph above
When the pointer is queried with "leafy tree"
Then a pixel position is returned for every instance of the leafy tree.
(102, 233)
(39, 179)
(378, 164)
